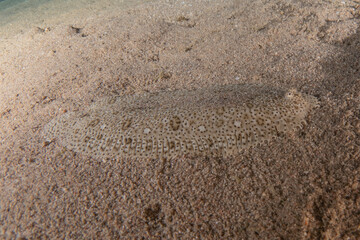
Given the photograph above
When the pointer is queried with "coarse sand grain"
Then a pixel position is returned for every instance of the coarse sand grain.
(204, 59)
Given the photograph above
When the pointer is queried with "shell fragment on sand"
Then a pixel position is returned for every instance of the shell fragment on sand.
(220, 119)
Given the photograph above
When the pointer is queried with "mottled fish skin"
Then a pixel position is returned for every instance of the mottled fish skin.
(215, 120)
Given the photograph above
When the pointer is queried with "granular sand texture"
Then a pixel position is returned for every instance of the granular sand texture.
(221, 120)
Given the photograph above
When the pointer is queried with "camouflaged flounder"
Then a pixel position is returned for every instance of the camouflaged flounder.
(220, 119)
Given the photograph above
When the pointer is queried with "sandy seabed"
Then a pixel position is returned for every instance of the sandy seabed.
(304, 186)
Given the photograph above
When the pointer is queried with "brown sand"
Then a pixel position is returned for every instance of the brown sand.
(306, 186)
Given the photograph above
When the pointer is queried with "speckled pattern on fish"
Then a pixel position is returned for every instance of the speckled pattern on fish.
(220, 119)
